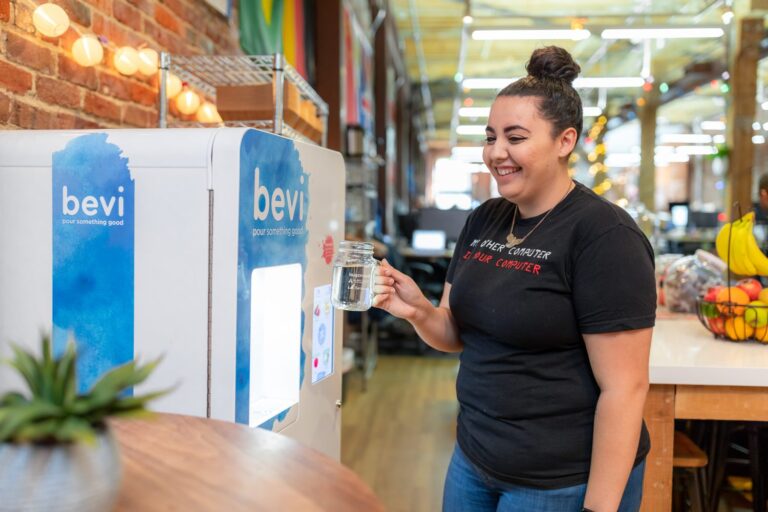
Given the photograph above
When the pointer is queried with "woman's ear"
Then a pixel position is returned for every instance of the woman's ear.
(567, 142)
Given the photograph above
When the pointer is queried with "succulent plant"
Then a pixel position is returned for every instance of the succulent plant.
(54, 412)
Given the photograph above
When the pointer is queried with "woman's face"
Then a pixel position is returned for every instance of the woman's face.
(520, 151)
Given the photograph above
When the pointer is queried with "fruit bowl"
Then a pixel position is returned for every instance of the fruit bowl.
(734, 320)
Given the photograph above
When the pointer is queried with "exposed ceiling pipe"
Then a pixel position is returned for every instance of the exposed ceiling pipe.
(381, 15)
(425, 94)
(459, 77)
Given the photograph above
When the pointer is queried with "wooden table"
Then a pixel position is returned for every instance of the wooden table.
(694, 376)
(175, 462)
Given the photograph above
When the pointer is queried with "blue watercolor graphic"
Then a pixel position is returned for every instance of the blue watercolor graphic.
(267, 162)
(93, 254)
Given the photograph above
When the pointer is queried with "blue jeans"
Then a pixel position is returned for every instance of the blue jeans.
(469, 489)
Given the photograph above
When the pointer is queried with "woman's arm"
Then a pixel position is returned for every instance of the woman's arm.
(619, 362)
(397, 294)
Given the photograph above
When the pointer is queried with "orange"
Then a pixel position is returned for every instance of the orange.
(761, 334)
(737, 298)
(737, 329)
(763, 295)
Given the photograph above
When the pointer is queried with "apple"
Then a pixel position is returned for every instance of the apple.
(751, 286)
(756, 314)
(708, 306)
(712, 291)
(717, 324)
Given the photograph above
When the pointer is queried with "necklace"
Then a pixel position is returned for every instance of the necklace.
(512, 240)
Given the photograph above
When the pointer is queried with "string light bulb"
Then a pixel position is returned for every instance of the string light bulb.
(50, 20)
(188, 102)
(126, 60)
(207, 113)
(148, 61)
(87, 50)
(173, 86)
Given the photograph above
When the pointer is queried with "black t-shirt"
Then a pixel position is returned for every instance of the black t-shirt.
(526, 389)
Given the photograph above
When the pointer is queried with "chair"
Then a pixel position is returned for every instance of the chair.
(691, 460)
(728, 440)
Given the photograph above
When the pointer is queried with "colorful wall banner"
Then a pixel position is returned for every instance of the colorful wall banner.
(93, 255)
(269, 26)
(358, 73)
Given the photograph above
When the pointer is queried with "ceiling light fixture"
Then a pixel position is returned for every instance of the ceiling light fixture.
(663, 160)
(530, 35)
(595, 82)
(686, 138)
(696, 150)
(471, 129)
(474, 111)
(713, 125)
(663, 33)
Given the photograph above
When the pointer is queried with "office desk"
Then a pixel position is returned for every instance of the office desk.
(694, 376)
(411, 253)
(175, 462)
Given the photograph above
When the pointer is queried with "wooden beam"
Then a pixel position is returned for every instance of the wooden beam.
(721, 403)
(741, 112)
(660, 419)
(381, 59)
(647, 178)
(328, 52)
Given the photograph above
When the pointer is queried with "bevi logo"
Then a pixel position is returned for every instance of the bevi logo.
(92, 205)
(277, 203)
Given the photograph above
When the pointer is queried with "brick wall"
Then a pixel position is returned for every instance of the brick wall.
(41, 87)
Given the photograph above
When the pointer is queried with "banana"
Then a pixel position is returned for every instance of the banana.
(742, 264)
(721, 242)
(755, 255)
(736, 260)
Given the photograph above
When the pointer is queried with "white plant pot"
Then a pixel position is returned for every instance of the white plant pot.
(75, 477)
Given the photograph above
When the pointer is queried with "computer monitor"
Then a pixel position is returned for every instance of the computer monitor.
(449, 221)
(428, 240)
(679, 213)
(698, 219)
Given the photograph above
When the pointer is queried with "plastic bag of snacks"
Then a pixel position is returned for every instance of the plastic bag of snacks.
(689, 277)
(662, 263)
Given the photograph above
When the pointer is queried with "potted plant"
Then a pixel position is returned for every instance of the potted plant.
(56, 448)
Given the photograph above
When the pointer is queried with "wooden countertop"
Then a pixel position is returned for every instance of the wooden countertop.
(175, 462)
(684, 352)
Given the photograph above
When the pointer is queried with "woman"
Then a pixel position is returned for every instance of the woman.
(550, 297)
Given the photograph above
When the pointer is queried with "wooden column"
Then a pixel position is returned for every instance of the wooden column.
(328, 52)
(741, 112)
(380, 58)
(647, 179)
(660, 420)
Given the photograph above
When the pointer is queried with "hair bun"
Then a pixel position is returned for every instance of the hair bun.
(552, 62)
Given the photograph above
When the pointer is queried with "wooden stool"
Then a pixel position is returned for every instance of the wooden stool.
(689, 457)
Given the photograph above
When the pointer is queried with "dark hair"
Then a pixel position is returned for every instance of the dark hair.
(763, 184)
(551, 72)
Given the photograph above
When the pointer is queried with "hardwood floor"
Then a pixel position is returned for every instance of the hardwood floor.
(399, 434)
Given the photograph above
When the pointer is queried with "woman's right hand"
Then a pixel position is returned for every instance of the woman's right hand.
(397, 294)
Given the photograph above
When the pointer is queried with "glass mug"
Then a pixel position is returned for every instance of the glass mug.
(354, 274)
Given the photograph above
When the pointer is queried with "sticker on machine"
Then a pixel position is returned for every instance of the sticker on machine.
(322, 334)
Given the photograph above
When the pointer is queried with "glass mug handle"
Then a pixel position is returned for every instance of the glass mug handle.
(374, 272)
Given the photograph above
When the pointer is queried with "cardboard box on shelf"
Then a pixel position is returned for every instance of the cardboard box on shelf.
(257, 102)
